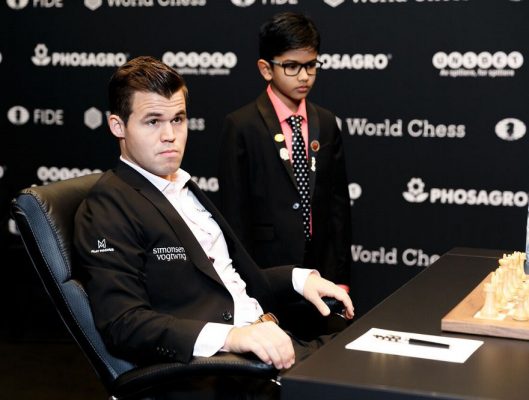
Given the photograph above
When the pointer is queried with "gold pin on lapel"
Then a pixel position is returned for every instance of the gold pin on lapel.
(315, 145)
(279, 137)
(283, 153)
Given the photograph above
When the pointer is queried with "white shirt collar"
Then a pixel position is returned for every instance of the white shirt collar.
(161, 184)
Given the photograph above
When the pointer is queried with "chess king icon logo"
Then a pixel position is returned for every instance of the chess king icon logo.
(510, 129)
(17, 4)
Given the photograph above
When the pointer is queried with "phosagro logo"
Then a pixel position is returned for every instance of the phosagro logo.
(41, 58)
(355, 191)
(2, 171)
(54, 174)
(510, 129)
(18, 115)
(470, 197)
(476, 65)
(416, 128)
(204, 63)
(354, 61)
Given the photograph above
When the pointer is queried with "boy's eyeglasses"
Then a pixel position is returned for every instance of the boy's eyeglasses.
(293, 68)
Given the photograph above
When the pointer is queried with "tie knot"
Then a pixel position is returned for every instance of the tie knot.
(295, 121)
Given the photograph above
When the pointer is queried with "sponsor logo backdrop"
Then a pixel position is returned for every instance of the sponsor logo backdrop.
(431, 95)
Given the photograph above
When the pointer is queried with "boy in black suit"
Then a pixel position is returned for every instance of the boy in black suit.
(283, 191)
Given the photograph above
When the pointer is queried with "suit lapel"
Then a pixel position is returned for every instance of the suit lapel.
(167, 211)
(314, 144)
(266, 109)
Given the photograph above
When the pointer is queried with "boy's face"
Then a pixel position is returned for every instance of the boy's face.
(290, 89)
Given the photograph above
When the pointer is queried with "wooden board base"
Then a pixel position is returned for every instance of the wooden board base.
(462, 319)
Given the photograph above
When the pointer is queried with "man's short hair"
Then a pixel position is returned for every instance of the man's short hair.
(287, 31)
(141, 74)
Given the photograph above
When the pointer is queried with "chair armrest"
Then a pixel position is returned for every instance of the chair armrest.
(144, 380)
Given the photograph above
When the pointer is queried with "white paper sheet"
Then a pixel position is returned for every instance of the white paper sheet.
(459, 351)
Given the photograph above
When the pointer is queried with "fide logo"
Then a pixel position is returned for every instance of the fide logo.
(17, 4)
(243, 3)
(355, 191)
(510, 129)
(415, 193)
(18, 115)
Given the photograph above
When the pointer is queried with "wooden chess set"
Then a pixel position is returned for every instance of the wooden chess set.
(498, 306)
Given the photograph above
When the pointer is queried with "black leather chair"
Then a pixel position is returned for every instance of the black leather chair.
(45, 218)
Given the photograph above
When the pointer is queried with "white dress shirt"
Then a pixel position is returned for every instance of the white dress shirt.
(210, 236)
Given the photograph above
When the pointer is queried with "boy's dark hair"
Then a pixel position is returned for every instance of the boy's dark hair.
(141, 74)
(287, 31)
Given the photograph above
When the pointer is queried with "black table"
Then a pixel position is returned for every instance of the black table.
(499, 369)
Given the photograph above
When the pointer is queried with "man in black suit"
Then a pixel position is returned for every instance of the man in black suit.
(261, 196)
(166, 277)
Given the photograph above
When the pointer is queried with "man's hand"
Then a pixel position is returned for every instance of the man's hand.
(266, 340)
(317, 287)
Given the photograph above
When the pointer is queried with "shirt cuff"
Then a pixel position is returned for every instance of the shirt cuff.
(299, 277)
(211, 339)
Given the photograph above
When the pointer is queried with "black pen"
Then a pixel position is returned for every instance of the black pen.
(417, 342)
(420, 342)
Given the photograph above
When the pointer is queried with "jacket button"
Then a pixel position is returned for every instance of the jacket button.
(295, 206)
(226, 316)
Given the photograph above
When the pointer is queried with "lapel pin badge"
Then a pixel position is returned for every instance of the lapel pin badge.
(279, 137)
(315, 145)
(313, 164)
(283, 153)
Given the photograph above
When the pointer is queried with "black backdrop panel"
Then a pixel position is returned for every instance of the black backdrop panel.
(431, 96)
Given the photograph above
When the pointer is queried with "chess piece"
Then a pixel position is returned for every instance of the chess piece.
(489, 307)
(519, 312)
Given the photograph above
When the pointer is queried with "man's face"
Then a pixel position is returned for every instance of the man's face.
(156, 133)
(292, 89)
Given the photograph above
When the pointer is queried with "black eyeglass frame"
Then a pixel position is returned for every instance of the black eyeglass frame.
(306, 65)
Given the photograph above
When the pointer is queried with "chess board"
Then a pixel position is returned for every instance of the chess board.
(465, 318)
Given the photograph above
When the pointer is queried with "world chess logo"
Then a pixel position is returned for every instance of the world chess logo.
(355, 191)
(415, 193)
(18, 115)
(17, 4)
(333, 3)
(243, 3)
(510, 129)
(93, 4)
(41, 57)
(93, 118)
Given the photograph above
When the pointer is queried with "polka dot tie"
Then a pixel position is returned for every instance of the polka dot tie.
(301, 170)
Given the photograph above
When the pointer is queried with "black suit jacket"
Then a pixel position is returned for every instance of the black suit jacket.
(150, 285)
(259, 197)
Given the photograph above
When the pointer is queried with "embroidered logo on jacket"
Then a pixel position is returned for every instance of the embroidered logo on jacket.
(101, 247)
(169, 253)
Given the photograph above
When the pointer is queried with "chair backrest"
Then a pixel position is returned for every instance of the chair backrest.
(45, 219)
